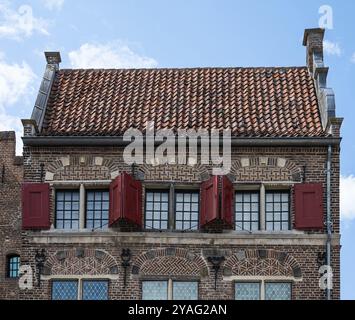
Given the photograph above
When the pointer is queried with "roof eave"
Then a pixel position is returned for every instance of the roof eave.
(118, 141)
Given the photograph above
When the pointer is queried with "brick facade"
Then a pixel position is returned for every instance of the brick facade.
(10, 210)
(176, 255)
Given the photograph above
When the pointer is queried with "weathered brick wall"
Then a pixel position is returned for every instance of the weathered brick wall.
(262, 164)
(162, 264)
(301, 164)
(11, 173)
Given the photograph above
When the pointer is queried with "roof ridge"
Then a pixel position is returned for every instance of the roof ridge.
(185, 68)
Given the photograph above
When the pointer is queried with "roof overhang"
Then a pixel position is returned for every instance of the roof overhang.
(118, 141)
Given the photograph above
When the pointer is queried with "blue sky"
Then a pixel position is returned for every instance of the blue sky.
(185, 33)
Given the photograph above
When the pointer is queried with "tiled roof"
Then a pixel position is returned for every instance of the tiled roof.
(252, 102)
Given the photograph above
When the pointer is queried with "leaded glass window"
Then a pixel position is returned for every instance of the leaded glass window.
(157, 210)
(97, 208)
(155, 290)
(247, 211)
(277, 211)
(247, 291)
(277, 291)
(67, 209)
(185, 290)
(65, 290)
(186, 210)
(95, 290)
(13, 266)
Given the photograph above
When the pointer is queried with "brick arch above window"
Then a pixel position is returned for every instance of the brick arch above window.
(262, 262)
(86, 166)
(170, 262)
(266, 168)
(81, 262)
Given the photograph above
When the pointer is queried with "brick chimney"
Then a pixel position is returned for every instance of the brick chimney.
(313, 41)
(53, 58)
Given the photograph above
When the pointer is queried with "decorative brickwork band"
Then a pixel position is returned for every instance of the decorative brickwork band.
(81, 262)
(262, 262)
(170, 262)
(175, 172)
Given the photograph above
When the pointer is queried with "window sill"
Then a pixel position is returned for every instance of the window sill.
(112, 237)
(77, 231)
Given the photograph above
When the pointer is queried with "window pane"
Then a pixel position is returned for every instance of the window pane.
(277, 291)
(13, 266)
(65, 290)
(95, 290)
(194, 198)
(185, 290)
(67, 209)
(247, 211)
(277, 210)
(247, 291)
(149, 196)
(156, 210)
(154, 290)
(187, 209)
(97, 203)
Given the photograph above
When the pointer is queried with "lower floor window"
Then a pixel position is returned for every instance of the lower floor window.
(169, 290)
(79, 289)
(277, 291)
(247, 291)
(263, 290)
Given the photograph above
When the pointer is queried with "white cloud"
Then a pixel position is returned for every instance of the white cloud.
(110, 55)
(21, 23)
(332, 48)
(353, 58)
(16, 83)
(53, 4)
(347, 194)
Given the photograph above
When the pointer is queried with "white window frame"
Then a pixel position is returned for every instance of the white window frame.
(262, 282)
(82, 187)
(170, 282)
(172, 189)
(262, 188)
(80, 281)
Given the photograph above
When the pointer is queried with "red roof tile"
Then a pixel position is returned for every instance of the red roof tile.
(252, 102)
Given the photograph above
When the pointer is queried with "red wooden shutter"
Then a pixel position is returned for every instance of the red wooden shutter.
(115, 212)
(309, 206)
(132, 199)
(227, 201)
(35, 206)
(125, 200)
(209, 201)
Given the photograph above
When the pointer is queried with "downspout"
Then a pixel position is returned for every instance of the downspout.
(329, 218)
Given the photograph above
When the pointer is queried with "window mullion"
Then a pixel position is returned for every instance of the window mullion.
(262, 290)
(171, 216)
(80, 289)
(262, 207)
(170, 289)
(82, 207)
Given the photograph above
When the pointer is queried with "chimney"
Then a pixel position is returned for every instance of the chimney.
(53, 58)
(313, 40)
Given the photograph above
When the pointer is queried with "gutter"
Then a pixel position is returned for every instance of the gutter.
(118, 141)
(329, 221)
